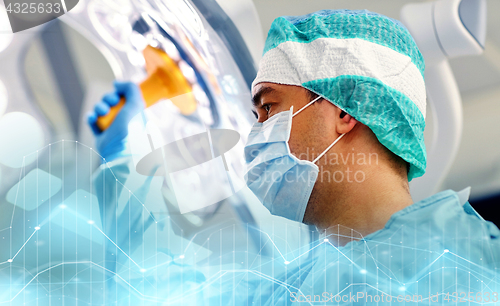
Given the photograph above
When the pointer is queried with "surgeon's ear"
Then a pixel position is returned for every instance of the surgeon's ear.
(346, 123)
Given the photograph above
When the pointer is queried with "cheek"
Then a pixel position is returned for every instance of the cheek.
(305, 138)
(295, 142)
(311, 136)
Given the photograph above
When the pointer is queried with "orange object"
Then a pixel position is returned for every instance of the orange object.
(165, 81)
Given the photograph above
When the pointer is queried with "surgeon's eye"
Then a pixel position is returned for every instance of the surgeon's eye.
(267, 107)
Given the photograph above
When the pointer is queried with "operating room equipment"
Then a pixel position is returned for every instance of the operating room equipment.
(444, 29)
(165, 81)
(56, 189)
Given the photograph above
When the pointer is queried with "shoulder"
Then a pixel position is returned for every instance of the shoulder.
(441, 211)
(442, 224)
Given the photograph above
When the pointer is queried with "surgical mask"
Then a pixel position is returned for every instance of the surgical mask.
(281, 181)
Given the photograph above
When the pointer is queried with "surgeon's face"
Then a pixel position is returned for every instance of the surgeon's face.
(313, 130)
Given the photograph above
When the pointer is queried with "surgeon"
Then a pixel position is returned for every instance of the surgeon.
(340, 103)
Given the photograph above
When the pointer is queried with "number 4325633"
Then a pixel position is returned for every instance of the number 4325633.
(33, 8)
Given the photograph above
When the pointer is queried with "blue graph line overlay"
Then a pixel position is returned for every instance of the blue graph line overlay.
(65, 252)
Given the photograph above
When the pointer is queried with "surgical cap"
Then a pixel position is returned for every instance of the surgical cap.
(365, 63)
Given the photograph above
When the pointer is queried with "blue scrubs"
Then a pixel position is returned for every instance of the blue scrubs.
(431, 253)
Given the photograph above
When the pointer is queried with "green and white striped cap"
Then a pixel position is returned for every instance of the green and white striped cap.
(365, 63)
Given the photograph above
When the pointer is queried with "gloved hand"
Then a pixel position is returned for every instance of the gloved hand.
(111, 143)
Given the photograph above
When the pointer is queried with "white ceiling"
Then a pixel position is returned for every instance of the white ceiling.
(478, 160)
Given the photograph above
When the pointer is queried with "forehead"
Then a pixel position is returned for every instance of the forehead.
(274, 88)
(259, 87)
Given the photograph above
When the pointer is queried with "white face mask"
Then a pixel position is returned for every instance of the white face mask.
(281, 181)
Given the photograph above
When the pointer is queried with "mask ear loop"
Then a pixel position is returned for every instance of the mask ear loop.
(319, 97)
(329, 147)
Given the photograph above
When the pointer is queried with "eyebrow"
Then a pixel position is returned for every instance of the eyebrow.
(262, 91)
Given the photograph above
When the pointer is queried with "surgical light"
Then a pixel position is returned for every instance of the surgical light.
(165, 81)
(113, 26)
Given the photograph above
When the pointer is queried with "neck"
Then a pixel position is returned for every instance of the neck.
(352, 208)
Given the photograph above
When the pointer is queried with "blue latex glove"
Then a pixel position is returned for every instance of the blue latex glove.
(111, 143)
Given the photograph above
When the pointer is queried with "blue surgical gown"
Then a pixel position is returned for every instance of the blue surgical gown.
(434, 252)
